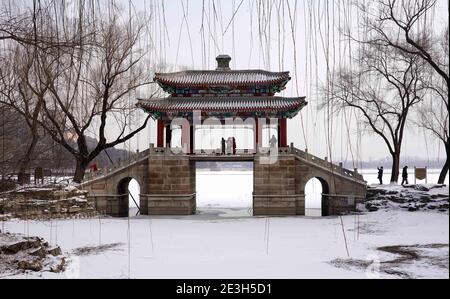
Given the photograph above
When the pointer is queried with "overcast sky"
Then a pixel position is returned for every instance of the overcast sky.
(180, 44)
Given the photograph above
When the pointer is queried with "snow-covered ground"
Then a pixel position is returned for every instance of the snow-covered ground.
(222, 242)
(228, 244)
(411, 198)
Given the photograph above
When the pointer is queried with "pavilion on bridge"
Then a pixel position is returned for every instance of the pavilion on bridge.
(219, 97)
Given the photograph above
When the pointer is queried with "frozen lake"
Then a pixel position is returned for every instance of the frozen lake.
(224, 241)
(225, 244)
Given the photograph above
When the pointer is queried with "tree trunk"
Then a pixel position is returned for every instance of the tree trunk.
(444, 170)
(395, 168)
(80, 170)
(26, 160)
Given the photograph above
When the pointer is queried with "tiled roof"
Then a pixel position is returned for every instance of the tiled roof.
(243, 78)
(223, 104)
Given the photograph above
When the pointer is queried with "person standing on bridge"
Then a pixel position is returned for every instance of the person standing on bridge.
(229, 146)
(234, 146)
(380, 174)
(273, 142)
(223, 144)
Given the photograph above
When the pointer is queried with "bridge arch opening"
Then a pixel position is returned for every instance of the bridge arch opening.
(224, 187)
(128, 191)
(316, 191)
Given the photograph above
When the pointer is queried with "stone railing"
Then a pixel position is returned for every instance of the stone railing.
(165, 151)
(199, 152)
(324, 163)
(134, 158)
(304, 155)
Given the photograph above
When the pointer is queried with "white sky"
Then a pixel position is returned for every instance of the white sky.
(241, 39)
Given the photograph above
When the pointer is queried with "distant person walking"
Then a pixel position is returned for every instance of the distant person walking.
(380, 174)
(93, 167)
(223, 144)
(234, 146)
(405, 176)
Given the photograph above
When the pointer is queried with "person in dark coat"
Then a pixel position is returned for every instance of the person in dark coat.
(380, 174)
(223, 143)
(405, 176)
(234, 146)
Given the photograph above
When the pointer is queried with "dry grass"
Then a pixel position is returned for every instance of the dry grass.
(405, 255)
(95, 250)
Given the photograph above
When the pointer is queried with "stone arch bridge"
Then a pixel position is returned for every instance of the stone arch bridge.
(168, 182)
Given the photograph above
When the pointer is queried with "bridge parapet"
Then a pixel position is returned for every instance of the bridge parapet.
(311, 159)
(164, 151)
(136, 157)
(304, 155)
(324, 163)
(245, 155)
(167, 179)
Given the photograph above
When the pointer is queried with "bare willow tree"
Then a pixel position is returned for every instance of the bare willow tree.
(20, 61)
(18, 28)
(434, 112)
(409, 26)
(88, 89)
(384, 88)
(16, 23)
(23, 31)
(8, 127)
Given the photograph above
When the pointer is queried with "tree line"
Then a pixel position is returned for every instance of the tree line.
(70, 70)
(398, 75)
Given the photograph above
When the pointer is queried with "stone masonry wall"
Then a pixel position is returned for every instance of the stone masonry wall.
(171, 186)
(168, 186)
(104, 192)
(349, 191)
(274, 187)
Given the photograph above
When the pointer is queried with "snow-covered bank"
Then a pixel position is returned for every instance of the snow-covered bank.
(50, 201)
(411, 198)
(21, 255)
(231, 244)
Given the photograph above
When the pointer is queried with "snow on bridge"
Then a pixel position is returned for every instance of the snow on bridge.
(168, 184)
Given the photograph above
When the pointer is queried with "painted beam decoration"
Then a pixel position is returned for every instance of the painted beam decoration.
(223, 93)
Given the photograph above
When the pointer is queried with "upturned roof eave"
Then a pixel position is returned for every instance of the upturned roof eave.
(286, 73)
(291, 110)
(174, 80)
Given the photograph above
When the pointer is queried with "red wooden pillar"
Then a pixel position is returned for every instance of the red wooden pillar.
(160, 134)
(282, 129)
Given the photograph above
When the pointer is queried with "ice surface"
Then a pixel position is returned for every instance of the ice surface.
(225, 242)
(228, 244)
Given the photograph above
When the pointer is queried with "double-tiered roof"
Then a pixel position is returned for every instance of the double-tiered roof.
(203, 80)
(223, 93)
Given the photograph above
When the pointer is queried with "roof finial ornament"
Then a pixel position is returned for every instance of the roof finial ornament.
(223, 63)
